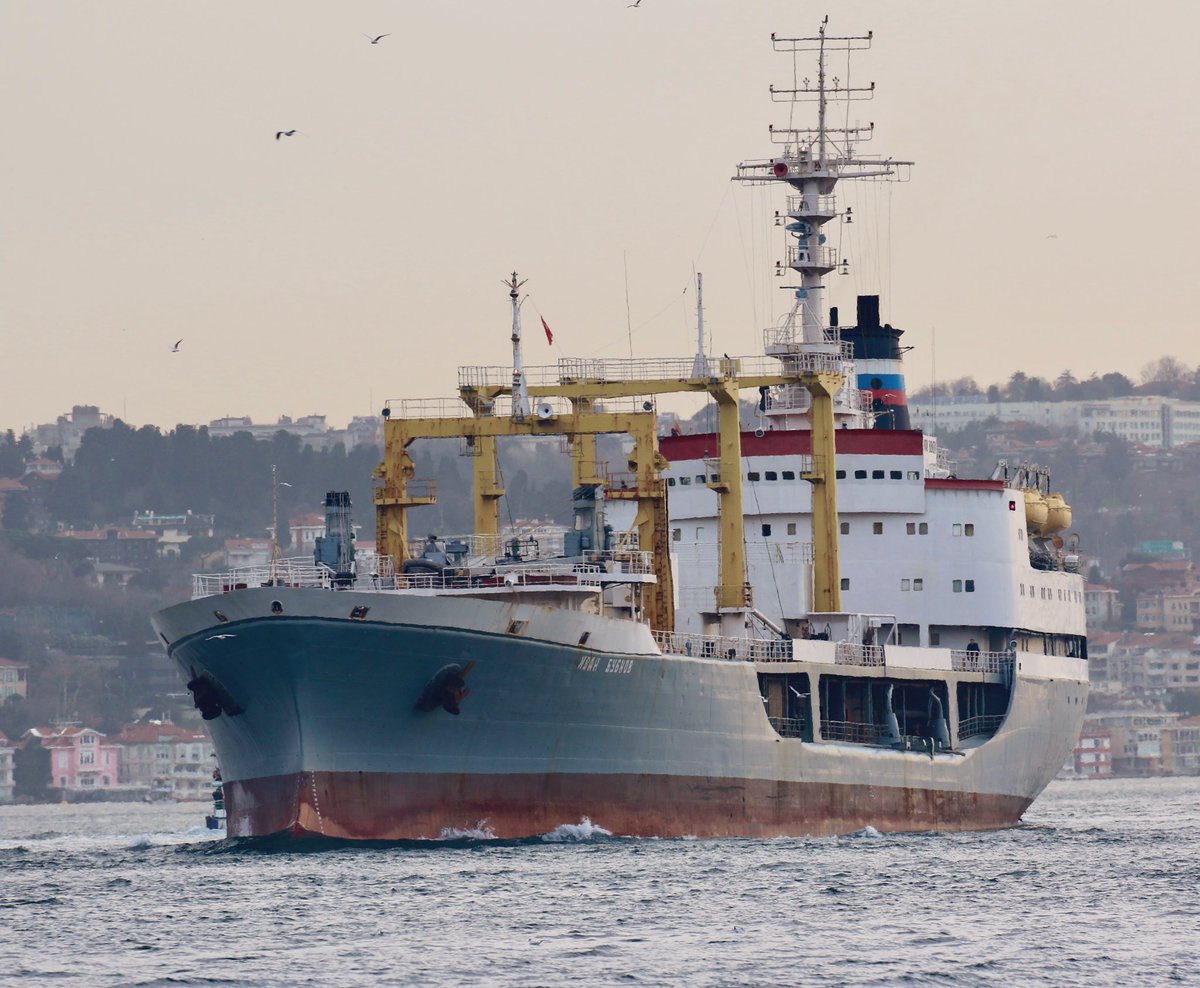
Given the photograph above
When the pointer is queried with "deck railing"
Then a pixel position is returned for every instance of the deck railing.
(724, 647)
(962, 660)
(842, 730)
(984, 725)
(300, 572)
(852, 654)
(789, 727)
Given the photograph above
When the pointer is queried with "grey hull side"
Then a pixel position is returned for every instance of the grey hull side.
(324, 695)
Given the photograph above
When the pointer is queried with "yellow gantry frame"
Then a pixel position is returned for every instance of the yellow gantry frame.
(392, 500)
(733, 588)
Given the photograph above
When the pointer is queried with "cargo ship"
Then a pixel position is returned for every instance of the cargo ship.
(808, 627)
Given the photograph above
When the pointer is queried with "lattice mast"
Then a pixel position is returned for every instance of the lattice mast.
(814, 159)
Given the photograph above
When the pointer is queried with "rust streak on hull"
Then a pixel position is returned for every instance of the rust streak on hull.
(406, 806)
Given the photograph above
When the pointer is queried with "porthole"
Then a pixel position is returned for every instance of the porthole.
(276, 607)
(220, 616)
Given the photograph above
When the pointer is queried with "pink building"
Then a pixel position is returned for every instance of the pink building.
(80, 758)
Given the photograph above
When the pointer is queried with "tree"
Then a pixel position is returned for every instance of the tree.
(1167, 375)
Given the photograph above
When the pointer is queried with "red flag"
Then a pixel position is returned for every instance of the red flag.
(549, 335)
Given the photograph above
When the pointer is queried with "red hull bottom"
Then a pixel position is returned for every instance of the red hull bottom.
(408, 806)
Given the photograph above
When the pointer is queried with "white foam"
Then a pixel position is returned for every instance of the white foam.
(481, 831)
(867, 831)
(140, 842)
(583, 830)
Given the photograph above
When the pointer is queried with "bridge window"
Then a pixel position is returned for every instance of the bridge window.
(839, 474)
(910, 528)
(845, 528)
(766, 530)
(877, 475)
(699, 478)
(895, 474)
(685, 481)
(968, 529)
(771, 475)
(877, 528)
(860, 474)
(956, 586)
(918, 584)
(753, 476)
(670, 481)
(845, 583)
(914, 474)
(969, 586)
(923, 528)
(791, 528)
(789, 475)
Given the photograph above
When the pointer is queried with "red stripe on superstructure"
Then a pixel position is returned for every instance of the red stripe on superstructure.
(954, 484)
(788, 442)
(889, 397)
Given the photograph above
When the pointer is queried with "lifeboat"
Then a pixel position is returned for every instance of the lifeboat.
(1058, 514)
(1036, 510)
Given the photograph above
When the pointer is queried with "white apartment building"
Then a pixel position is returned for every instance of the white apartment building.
(1148, 419)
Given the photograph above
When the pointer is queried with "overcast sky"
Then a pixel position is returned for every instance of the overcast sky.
(1050, 221)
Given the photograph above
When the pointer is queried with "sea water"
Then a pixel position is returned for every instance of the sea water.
(1099, 886)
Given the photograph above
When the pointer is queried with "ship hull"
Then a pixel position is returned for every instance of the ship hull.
(324, 731)
(417, 806)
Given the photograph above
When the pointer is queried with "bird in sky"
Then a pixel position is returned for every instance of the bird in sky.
(379, 37)
(218, 638)
(284, 133)
(636, 3)
(175, 348)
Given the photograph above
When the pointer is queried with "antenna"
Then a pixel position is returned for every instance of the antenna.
(520, 392)
(812, 161)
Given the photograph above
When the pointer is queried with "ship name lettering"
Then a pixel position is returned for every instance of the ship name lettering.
(589, 663)
(619, 666)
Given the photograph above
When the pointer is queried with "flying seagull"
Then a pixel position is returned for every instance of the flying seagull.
(175, 348)
(284, 133)
(379, 37)
(636, 3)
(218, 638)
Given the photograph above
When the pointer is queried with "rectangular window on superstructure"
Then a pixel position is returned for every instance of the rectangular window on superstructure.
(766, 530)
(845, 527)
(677, 535)
(839, 474)
(752, 476)
(845, 583)
(699, 534)
(968, 529)
(791, 528)
(877, 528)
(788, 475)
(956, 529)
(969, 586)
(699, 478)
(923, 528)
(895, 474)
(670, 481)
(860, 474)
(956, 586)
(905, 585)
(914, 474)
(770, 475)
(918, 584)
(685, 481)
(910, 528)
(877, 475)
